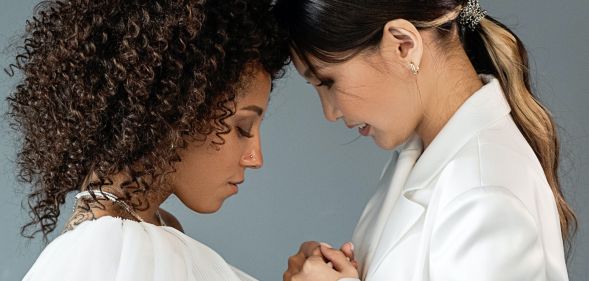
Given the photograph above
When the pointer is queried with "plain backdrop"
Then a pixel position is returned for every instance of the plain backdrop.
(315, 182)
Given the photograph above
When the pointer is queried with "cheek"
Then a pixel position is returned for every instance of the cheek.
(403, 112)
(200, 177)
(378, 104)
(192, 175)
(393, 110)
(356, 99)
(397, 98)
(352, 109)
(206, 162)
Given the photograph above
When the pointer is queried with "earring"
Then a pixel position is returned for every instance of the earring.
(414, 68)
(252, 156)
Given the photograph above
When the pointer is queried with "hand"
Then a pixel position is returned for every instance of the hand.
(348, 250)
(315, 268)
(310, 249)
(296, 261)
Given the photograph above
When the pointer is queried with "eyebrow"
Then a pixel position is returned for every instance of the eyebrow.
(258, 110)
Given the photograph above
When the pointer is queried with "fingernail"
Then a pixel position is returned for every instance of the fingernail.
(351, 246)
(326, 245)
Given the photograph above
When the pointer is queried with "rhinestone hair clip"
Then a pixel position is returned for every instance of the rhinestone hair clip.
(471, 15)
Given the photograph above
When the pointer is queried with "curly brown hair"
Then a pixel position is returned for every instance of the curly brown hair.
(112, 85)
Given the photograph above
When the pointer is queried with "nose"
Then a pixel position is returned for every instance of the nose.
(253, 157)
(332, 114)
(330, 111)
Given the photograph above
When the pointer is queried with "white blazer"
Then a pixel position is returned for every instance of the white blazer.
(475, 205)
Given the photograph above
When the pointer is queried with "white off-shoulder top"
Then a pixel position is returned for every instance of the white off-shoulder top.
(111, 248)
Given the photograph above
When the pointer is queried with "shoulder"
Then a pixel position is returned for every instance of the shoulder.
(487, 211)
(482, 201)
(497, 156)
(93, 243)
(110, 248)
(170, 220)
(485, 231)
(84, 212)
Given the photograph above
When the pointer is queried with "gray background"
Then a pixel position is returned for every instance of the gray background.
(314, 185)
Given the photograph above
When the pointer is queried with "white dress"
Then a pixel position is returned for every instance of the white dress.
(111, 248)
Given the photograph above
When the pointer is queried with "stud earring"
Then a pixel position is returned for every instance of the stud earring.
(252, 156)
(414, 68)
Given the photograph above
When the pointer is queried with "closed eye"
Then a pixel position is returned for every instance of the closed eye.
(244, 133)
(325, 83)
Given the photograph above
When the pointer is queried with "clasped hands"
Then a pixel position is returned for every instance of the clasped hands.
(321, 262)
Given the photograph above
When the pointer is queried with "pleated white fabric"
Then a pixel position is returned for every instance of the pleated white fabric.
(111, 248)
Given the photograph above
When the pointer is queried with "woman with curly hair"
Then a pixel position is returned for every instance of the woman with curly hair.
(126, 103)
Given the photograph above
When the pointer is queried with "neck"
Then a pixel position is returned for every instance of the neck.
(144, 204)
(454, 81)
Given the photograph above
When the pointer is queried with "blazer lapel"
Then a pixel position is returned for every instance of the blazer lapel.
(367, 228)
(387, 231)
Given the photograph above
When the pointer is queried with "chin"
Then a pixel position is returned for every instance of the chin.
(207, 208)
(386, 145)
(391, 139)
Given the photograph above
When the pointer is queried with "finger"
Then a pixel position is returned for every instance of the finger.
(325, 244)
(286, 276)
(338, 259)
(355, 264)
(348, 250)
(315, 252)
(296, 262)
(310, 248)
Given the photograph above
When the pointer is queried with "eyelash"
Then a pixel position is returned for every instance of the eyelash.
(244, 133)
(326, 83)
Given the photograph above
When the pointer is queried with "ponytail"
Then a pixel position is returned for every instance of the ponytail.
(495, 49)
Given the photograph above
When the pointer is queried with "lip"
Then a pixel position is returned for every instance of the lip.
(234, 187)
(236, 182)
(365, 131)
(363, 128)
(354, 125)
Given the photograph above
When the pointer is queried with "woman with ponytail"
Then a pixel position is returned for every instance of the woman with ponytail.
(472, 191)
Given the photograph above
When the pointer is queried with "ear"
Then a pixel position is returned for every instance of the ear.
(401, 41)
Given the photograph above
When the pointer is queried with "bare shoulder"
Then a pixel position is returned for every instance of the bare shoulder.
(170, 220)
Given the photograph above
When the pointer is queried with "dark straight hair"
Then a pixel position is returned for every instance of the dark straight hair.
(336, 30)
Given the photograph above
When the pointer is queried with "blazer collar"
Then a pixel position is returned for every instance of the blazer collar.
(480, 111)
(395, 214)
